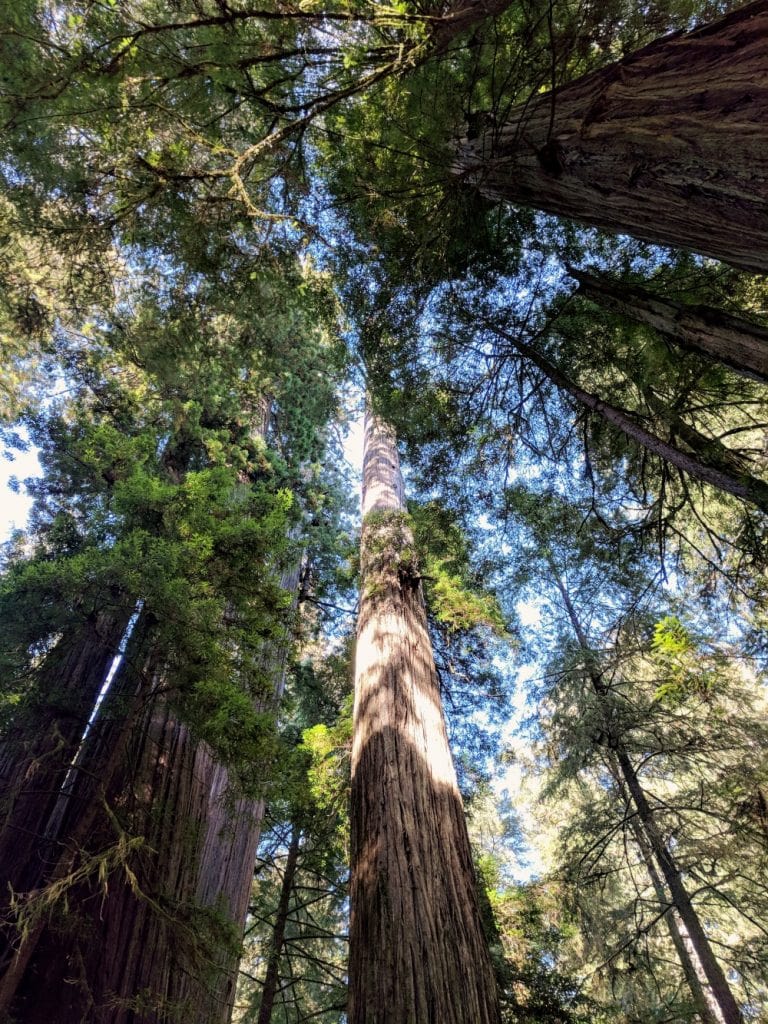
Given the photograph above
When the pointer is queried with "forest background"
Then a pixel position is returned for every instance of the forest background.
(533, 235)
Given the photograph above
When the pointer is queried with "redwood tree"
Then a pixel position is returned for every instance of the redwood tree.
(731, 339)
(417, 949)
(669, 144)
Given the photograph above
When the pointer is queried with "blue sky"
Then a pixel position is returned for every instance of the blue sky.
(14, 508)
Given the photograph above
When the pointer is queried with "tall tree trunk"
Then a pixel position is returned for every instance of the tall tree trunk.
(417, 950)
(721, 991)
(707, 466)
(706, 1006)
(669, 145)
(272, 977)
(156, 938)
(729, 339)
(65, 863)
(715, 976)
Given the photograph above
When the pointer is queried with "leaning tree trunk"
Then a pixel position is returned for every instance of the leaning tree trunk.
(669, 145)
(681, 900)
(700, 944)
(706, 1005)
(709, 460)
(417, 950)
(272, 977)
(729, 339)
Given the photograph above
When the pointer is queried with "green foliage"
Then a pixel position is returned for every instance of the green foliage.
(161, 170)
(688, 672)
(327, 748)
(453, 588)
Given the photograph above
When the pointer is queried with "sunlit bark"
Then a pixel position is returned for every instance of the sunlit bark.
(417, 950)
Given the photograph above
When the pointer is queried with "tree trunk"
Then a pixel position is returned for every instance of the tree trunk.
(154, 936)
(148, 944)
(38, 751)
(704, 466)
(272, 977)
(66, 859)
(158, 940)
(713, 972)
(721, 991)
(417, 950)
(709, 1014)
(704, 329)
(669, 144)
(710, 451)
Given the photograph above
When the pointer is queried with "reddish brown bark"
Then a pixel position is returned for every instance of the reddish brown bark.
(669, 145)
(158, 941)
(39, 747)
(64, 857)
(729, 339)
(417, 950)
(149, 947)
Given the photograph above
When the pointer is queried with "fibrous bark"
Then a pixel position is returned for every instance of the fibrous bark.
(159, 852)
(669, 145)
(417, 950)
(38, 749)
(729, 339)
(161, 942)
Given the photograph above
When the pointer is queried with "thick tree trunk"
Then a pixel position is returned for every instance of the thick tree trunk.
(272, 977)
(704, 463)
(159, 941)
(154, 937)
(417, 950)
(38, 751)
(65, 860)
(669, 145)
(729, 339)
(713, 972)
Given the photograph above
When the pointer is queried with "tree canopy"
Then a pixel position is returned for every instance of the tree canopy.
(529, 237)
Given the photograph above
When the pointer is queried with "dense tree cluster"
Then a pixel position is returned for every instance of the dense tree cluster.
(525, 242)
